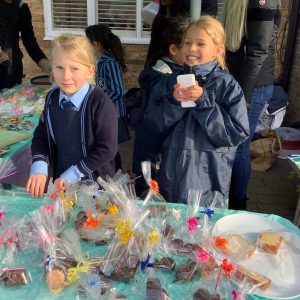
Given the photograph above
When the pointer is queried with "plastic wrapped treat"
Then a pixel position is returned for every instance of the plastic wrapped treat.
(150, 285)
(67, 198)
(155, 291)
(48, 222)
(126, 267)
(204, 294)
(12, 269)
(22, 100)
(95, 287)
(61, 266)
(6, 212)
(215, 287)
(126, 249)
(96, 221)
(214, 200)
(153, 201)
(187, 271)
(14, 276)
(206, 262)
(255, 279)
(234, 245)
(269, 241)
(87, 193)
(165, 263)
(61, 253)
(124, 254)
(90, 227)
(187, 234)
(7, 168)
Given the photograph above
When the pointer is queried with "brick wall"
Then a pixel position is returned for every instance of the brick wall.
(135, 56)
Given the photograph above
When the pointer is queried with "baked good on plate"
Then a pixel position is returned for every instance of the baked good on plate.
(269, 241)
(259, 280)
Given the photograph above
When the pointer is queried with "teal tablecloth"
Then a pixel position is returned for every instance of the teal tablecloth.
(22, 204)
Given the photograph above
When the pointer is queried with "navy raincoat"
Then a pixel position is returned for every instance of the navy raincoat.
(199, 143)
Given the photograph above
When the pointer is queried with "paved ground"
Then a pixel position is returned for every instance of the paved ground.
(269, 192)
(273, 191)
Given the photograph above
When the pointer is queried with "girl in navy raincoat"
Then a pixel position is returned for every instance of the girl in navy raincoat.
(200, 142)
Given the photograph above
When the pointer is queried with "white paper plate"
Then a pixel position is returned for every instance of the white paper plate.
(283, 268)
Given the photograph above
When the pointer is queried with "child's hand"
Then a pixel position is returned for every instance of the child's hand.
(187, 94)
(60, 185)
(36, 185)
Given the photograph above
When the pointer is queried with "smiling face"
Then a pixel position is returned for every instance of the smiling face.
(198, 47)
(69, 74)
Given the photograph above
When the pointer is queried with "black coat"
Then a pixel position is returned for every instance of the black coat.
(253, 64)
(16, 18)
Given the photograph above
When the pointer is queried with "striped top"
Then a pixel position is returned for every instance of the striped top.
(109, 78)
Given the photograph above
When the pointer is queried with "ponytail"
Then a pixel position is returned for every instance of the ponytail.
(110, 42)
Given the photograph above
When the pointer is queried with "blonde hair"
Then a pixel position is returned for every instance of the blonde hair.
(234, 14)
(216, 31)
(78, 48)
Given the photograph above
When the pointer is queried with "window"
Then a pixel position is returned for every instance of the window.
(122, 16)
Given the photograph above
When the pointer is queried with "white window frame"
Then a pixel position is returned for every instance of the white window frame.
(127, 37)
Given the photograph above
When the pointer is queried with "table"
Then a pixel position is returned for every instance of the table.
(294, 161)
(20, 153)
(23, 203)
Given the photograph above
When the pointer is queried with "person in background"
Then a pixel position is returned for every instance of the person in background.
(109, 74)
(173, 8)
(251, 27)
(77, 131)
(15, 18)
(200, 141)
(169, 60)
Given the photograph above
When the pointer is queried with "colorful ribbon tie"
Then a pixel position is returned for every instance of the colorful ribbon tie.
(66, 199)
(227, 267)
(154, 185)
(154, 237)
(146, 263)
(209, 212)
(49, 208)
(220, 243)
(72, 274)
(234, 294)
(112, 208)
(91, 222)
(49, 259)
(202, 256)
(2, 214)
(192, 224)
(123, 229)
(53, 196)
(93, 282)
(10, 241)
(98, 283)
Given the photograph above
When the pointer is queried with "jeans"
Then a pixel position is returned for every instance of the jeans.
(241, 170)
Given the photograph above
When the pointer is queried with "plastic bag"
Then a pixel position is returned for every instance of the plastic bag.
(13, 271)
(22, 100)
(7, 168)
